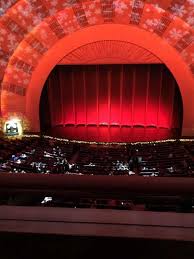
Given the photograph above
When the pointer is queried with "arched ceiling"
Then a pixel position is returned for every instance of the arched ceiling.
(29, 28)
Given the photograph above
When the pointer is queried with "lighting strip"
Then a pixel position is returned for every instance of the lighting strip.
(109, 143)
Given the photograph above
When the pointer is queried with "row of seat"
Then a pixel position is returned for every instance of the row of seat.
(47, 155)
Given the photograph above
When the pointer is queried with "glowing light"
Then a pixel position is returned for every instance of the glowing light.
(110, 143)
(46, 199)
(13, 127)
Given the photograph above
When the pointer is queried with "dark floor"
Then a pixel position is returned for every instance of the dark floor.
(27, 246)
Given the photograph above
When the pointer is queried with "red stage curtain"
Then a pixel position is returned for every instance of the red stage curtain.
(132, 95)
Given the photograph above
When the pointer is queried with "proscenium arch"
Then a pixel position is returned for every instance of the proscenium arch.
(162, 19)
(126, 33)
(24, 21)
(29, 105)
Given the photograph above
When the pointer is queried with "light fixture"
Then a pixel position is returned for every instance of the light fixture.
(13, 127)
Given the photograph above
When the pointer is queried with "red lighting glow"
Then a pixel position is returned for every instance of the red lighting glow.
(111, 97)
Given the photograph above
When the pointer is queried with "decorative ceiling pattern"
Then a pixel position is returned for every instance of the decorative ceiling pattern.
(29, 28)
(101, 52)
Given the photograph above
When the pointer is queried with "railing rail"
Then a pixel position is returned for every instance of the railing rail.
(95, 186)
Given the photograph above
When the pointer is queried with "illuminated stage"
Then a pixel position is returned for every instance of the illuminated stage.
(111, 103)
(116, 134)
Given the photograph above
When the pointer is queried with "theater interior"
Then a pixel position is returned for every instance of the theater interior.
(96, 129)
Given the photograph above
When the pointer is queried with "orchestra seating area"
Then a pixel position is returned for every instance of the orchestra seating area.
(46, 155)
(54, 156)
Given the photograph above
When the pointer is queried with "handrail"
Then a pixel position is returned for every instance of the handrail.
(95, 186)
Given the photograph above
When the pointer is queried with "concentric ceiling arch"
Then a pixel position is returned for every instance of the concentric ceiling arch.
(29, 29)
